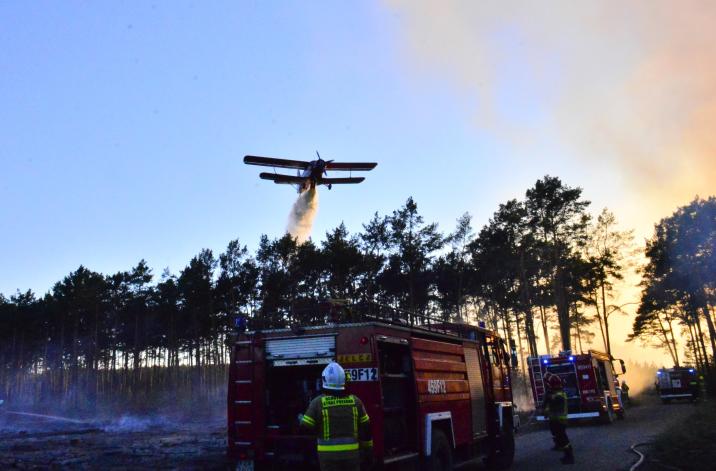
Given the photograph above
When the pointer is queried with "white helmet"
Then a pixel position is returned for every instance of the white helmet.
(334, 378)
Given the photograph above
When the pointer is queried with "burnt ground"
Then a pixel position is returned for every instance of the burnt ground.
(160, 443)
(124, 443)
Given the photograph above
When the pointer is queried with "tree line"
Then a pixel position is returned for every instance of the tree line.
(542, 271)
(679, 285)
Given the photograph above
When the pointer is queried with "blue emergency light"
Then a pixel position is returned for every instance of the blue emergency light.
(691, 370)
(240, 323)
(571, 358)
(545, 361)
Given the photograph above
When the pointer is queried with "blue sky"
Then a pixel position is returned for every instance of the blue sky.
(123, 126)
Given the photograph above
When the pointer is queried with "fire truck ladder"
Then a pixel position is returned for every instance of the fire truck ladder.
(536, 368)
(243, 399)
(342, 312)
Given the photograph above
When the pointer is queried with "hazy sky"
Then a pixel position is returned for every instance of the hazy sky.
(123, 124)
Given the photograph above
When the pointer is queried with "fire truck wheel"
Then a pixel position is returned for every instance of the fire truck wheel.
(441, 453)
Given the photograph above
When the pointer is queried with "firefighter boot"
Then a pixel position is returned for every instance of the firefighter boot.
(568, 457)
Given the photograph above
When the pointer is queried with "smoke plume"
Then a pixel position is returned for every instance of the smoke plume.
(303, 212)
(626, 89)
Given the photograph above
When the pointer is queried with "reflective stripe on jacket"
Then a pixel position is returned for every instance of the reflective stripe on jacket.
(556, 406)
(341, 424)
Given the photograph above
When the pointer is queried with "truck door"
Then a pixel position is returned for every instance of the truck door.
(602, 379)
(399, 404)
(500, 367)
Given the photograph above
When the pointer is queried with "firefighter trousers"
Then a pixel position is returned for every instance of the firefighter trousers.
(559, 435)
(340, 461)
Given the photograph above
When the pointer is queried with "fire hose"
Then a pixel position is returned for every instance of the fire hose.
(642, 456)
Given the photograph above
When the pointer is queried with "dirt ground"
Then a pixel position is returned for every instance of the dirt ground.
(601, 447)
(128, 442)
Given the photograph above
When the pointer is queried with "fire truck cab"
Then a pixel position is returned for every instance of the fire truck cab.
(590, 382)
(436, 393)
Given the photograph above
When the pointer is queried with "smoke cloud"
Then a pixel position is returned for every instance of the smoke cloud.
(640, 377)
(303, 212)
(627, 88)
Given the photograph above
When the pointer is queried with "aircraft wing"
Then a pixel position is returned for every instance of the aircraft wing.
(339, 181)
(350, 166)
(288, 179)
(271, 162)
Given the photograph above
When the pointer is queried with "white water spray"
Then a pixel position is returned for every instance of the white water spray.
(48, 417)
(303, 212)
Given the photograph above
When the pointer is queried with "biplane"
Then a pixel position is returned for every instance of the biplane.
(309, 174)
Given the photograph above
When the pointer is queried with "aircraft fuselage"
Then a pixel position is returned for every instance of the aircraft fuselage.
(313, 175)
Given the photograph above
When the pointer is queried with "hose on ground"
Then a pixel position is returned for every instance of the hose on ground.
(642, 456)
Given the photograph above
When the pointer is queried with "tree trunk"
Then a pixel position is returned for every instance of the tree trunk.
(530, 331)
(695, 347)
(606, 320)
(712, 330)
(579, 330)
(522, 351)
(545, 329)
(599, 318)
(673, 340)
(667, 342)
(701, 342)
(562, 312)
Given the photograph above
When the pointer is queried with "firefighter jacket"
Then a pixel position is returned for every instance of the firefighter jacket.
(341, 425)
(555, 406)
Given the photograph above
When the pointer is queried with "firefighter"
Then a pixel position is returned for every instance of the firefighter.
(694, 387)
(555, 408)
(625, 392)
(341, 425)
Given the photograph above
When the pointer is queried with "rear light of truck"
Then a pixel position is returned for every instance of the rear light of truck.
(246, 454)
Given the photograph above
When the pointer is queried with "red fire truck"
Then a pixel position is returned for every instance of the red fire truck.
(679, 382)
(437, 393)
(590, 382)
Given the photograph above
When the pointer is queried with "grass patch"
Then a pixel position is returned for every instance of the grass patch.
(689, 445)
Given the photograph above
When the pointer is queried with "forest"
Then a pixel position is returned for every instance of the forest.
(544, 272)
